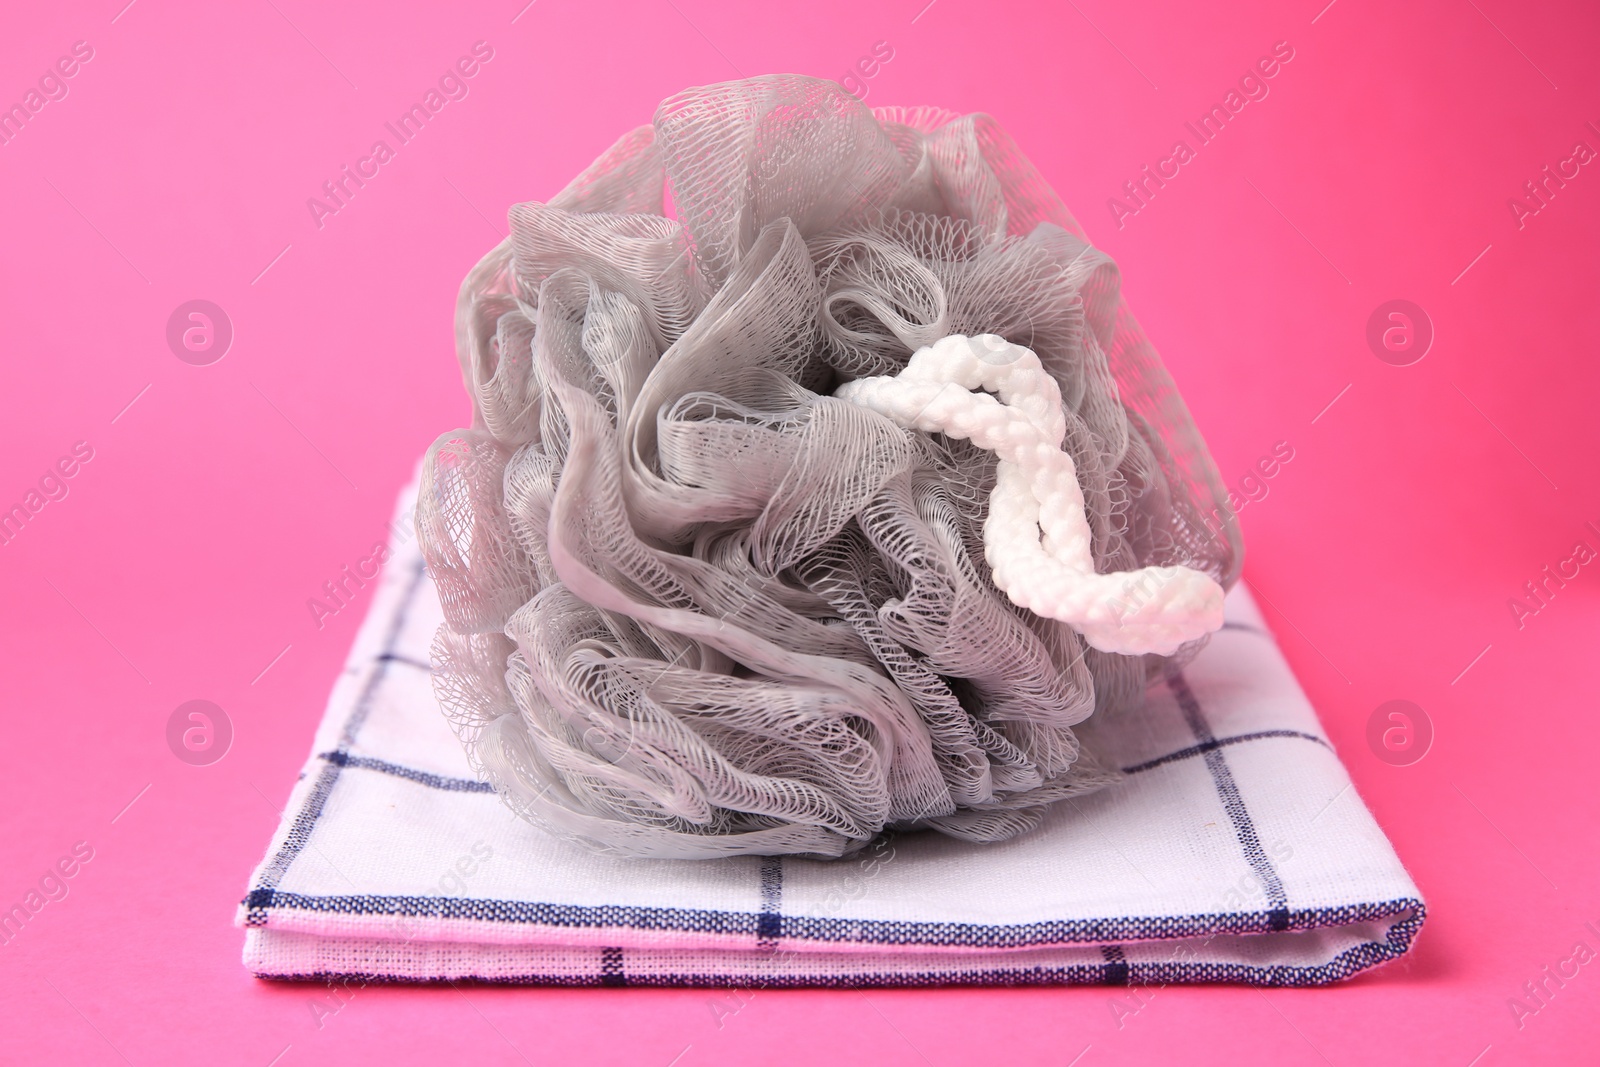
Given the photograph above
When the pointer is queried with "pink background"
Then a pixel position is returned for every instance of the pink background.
(178, 566)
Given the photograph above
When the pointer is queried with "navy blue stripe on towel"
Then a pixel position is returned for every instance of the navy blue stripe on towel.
(1110, 930)
(306, 821)
(1218, 742)
(1351, 961)
(769, 927)
(410, 774)
(1246, 627)
(1116, 965)
(611, 968)
(1233, 802)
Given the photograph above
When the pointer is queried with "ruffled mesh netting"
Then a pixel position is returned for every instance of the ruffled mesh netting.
(696, 605)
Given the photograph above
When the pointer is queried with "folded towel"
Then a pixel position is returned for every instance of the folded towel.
(1234, 850)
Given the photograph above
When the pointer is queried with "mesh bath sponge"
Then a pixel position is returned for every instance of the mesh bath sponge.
(723, 555)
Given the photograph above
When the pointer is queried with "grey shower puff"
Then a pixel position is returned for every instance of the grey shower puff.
(697, 606)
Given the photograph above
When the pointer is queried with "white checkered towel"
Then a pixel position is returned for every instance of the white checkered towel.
(1235, 850)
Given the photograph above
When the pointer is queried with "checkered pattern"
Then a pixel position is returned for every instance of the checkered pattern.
(1235, 850)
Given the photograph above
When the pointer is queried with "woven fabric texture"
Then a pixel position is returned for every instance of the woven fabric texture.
(1232, 849)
